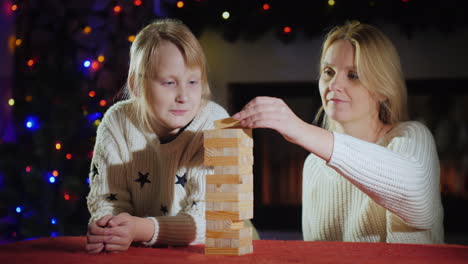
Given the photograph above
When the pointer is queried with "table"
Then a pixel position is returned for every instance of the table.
(71, 250)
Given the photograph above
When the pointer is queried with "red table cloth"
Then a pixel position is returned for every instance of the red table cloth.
(71, 250)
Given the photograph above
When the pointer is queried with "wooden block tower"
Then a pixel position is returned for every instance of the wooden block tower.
(229, 191)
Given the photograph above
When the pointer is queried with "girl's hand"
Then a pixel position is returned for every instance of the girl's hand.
(97, 235)
(121, 233)
(274, 113)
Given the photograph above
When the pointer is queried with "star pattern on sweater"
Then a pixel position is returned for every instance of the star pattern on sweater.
(182, 180)
(95, 171)
(194, 204)
(112, 197)
(142, 179)
(164, 209)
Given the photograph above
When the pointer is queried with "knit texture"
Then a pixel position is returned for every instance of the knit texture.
(384, 192)
(131, 171)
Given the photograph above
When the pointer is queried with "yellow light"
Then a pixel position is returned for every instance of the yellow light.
(331, 2)
(97, 122)
(180, 4)
(226, 15)
(87, 30)
(14, 7)
(55, 173)
(131, 38)
(18, 42)
(101, 58)
(58, 146)
(28, 98)
(30, 62)
(11, 102)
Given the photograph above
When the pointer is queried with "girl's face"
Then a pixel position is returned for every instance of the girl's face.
(344, 97)
(176, 91)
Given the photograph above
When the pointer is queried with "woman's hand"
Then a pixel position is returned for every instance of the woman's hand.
(274, 113)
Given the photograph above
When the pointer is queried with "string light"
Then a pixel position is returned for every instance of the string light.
(101, 58)
(32, 123)
(287, 30)
(266, 7)
(86, 63)
(92, 94)
(30, 62)
(53, 221)
(102, 103)
(137, 2)
(180, 4)
(87, 30)
(28, 98)
(97, 122)
(66, 196)
(52, 179)
(131, 38)
(58, 146)
(55, 173)
(117, 9)
(18, 209)
(53, 234)
(18, 42)
(14, 7)
(95, 65)
(405, 1)
(226, 15)
(68, 156)
(331, 2)
(28, 169)
(11, 102)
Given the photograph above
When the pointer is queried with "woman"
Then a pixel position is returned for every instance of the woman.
(371, 176)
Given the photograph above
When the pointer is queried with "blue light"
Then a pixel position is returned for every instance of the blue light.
(53, 221)
(86, 63)
(32, 123)
(51, 179)
(87, 180)
(53, 234)
(93, 116)
(18, 209)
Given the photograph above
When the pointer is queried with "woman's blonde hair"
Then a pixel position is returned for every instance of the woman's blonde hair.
(378, 67)
(143, 63)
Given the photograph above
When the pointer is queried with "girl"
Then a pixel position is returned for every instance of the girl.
(371, 176)
(147, 177)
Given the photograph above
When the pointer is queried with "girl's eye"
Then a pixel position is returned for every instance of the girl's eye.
(169, 83)
(193, 82)
(353, 76)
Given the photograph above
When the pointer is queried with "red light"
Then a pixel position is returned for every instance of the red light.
(102, 103)
(28, 169)
(180, 4)
(405, 1)
(95, 65)
(266, 7)
(137, 2)
(13, 234)
(58, 146)
(55, 173)
(68, 156)
(117, 9)
(30, 62)
(92, 93)
(90, 154)
(287, 30)
(66, 196)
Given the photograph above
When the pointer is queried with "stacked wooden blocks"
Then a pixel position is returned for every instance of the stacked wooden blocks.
(229, 191)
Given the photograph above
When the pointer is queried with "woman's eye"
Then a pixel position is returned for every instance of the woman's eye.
(353, 76)
(328, 72)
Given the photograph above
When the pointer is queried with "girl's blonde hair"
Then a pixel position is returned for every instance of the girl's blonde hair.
(143, 63)
(378, 67)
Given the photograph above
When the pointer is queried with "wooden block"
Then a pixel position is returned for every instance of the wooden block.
(227, 123)
(229, 188)
(241, 156)
(221, 152)
(228, 242)
(228, 197)
(229, 206)
(242, 214)
(234, 234)
(229, 251)
(224, 225)
(233, 170)
(229, 178)
(228, 133)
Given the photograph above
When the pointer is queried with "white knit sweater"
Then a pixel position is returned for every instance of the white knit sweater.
(131, 171)
(384, 192)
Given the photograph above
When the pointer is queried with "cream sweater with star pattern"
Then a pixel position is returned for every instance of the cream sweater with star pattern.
(131, 171)
(384, 192)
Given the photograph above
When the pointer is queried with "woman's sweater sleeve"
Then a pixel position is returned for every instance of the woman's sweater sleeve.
(108, 187)
(403, 178)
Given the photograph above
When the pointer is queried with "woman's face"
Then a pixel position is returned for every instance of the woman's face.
(344, 97)
(176, 91)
